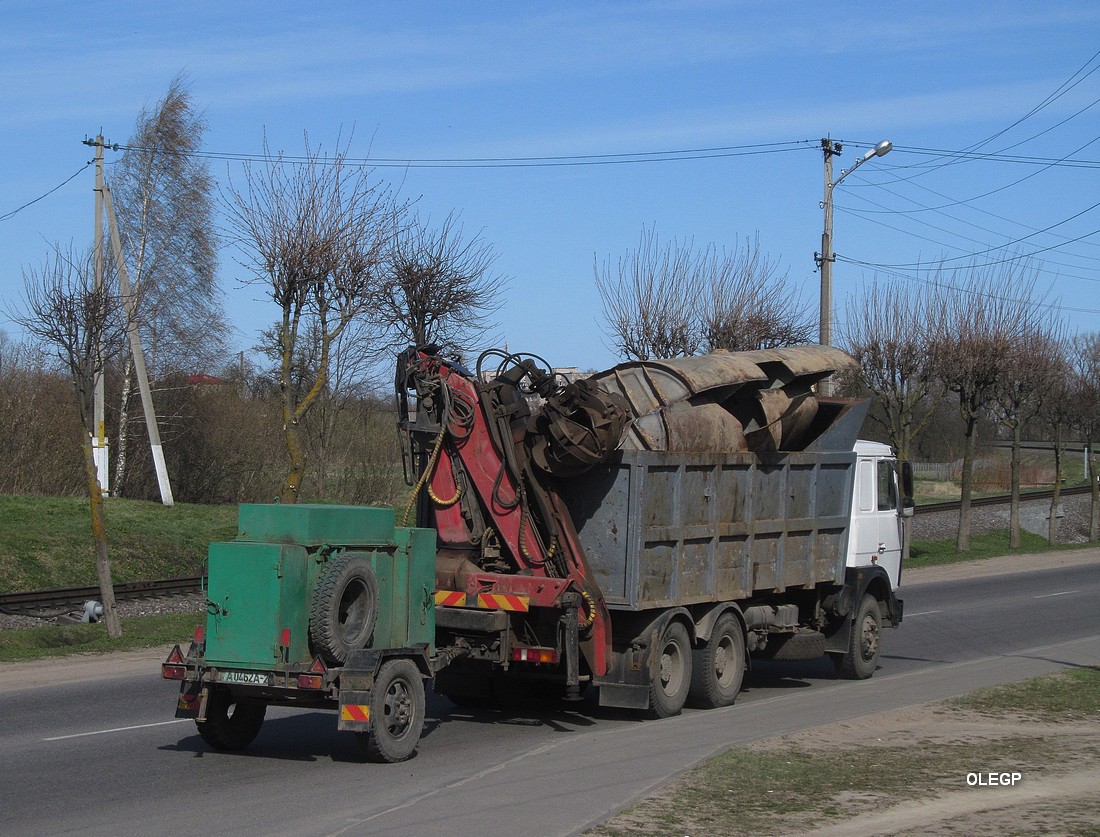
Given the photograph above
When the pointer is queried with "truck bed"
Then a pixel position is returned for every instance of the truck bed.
(662, 529)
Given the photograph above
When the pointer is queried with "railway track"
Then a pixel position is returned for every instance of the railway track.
(1000, 499)
(36, 601)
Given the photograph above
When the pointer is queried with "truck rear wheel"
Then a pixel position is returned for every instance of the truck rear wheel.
(861, 659)
(718, 668)
(668, 689)
(230, 724)
(344, 607)
(396, 712)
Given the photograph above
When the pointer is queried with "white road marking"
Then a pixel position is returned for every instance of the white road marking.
(922, 613)
(1051, 595)
(116, 729)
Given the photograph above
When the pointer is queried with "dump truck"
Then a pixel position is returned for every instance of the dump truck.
(646, 532)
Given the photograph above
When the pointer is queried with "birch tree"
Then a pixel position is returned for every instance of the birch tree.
(164, 197)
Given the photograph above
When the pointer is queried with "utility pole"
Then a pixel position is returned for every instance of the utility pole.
(139, 355)
(100, 453)
(826, 258)
(105, 205)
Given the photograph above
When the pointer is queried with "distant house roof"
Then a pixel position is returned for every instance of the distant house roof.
(201, 378)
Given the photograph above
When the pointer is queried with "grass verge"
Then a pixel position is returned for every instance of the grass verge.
(46, 542)
(61, 640)
(790, 786)
(991, 545)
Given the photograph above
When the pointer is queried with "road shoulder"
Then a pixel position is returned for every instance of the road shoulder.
(1001, 565)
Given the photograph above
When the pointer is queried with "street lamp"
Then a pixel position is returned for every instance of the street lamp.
(826, 257)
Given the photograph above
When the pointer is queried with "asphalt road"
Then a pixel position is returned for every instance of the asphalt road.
(105, 756)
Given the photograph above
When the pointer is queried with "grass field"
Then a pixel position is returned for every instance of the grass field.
(46, 542)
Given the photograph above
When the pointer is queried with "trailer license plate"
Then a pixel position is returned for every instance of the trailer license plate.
(247, 678)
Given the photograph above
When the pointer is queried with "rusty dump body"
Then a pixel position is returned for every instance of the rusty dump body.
(732, 480)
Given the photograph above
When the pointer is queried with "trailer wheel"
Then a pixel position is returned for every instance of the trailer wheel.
(861, 659)
(396, 712)
(668, 690)
(344, 607)
(230, 724)
(718, 668)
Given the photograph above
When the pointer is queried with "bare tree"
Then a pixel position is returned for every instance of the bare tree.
(82, 323)
(1085, 358)
(649, 300)
(891, 331)
(353, 356)
(165, 204)
(673, 300)
(1060, 412)
(986, 314)
(315, 234)
(1030, 371)
(440, 287)
(746, 303)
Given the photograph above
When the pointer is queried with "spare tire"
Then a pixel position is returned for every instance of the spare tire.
(344, 608)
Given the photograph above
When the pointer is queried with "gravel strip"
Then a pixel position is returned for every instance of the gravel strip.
(190, 603)
(1073, 527)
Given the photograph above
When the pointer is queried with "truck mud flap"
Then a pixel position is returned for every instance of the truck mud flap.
(354, 711)
(624, 695)
(190, 700)
(801, 645)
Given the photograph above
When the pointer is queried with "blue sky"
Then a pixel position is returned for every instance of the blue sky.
(418, 81)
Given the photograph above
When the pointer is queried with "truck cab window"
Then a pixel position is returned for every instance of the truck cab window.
(887, 486)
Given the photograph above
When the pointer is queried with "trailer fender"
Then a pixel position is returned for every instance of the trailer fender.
(363, 664)
(357, 679)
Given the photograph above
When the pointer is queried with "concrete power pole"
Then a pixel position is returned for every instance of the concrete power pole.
(138, 354)
(104, 205)
(826, 258)
(100, 453)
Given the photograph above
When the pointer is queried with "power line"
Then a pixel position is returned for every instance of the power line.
(665, 156)
(8, 215)
(1016, 241)
(1015, 258)
(929, 281)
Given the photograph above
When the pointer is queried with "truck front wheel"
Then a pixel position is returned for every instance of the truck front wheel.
(668, 689)
(396, 712)
(230, 724)
(718, 668)
(861, 659)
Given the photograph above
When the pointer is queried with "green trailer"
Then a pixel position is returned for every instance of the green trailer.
(314, 606)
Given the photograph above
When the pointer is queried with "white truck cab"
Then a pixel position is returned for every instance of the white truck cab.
(877, 511)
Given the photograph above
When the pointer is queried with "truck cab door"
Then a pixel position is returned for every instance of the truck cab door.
(875, 538)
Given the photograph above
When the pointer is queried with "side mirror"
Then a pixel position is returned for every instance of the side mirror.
(907, 481)
(908, 507)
